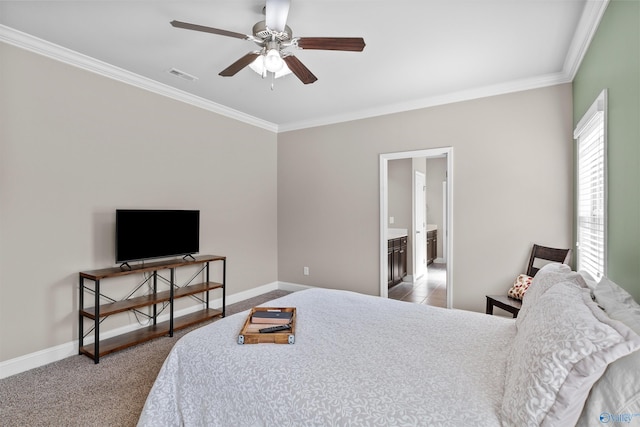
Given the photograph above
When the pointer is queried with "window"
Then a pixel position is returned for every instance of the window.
(591, 209)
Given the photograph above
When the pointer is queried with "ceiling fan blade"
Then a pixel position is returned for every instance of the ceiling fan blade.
(276, 12)
(239, 64)
(352, 44)
(195, 27)
(299, 69)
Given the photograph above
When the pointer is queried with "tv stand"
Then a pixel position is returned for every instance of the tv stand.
(155, 299)
(125, 266)
(188, 256)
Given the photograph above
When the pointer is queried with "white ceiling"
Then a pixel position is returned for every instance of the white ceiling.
(417, 54)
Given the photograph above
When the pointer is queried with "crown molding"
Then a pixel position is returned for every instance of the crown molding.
(434, 101)
(587, 26)
(585, 30)
(73, 58)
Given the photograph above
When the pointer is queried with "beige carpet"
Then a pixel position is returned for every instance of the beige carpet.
(77, 392)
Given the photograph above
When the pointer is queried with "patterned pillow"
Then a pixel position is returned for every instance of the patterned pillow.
(520, 286)
(559, 352)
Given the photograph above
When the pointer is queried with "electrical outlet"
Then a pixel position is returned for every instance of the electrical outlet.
(305, 271)
(391, 220)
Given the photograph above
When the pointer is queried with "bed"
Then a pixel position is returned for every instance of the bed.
(365, 360)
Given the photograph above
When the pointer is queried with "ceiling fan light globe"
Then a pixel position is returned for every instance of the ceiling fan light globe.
(283, 72)
(258, 67)
(273, 62)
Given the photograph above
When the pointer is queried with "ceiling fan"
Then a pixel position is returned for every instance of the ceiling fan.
(274, 36)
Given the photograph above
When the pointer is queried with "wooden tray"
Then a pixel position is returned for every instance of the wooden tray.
(250, 335)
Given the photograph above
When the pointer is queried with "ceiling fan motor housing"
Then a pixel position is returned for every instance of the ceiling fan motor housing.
(261, 32)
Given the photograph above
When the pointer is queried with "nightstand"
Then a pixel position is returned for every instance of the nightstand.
(504, 302)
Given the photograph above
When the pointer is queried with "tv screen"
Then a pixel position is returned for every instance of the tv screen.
(145, 234)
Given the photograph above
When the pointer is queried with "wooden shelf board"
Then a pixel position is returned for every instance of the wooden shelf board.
(196, 317)
(127, 340)
(148, 266)
(138, 336)
(147, 300)
(195, 289)
(128, 304)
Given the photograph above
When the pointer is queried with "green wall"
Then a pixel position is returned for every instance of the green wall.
(613, 62)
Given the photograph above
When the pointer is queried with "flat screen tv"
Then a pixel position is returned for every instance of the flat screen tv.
(145, 234)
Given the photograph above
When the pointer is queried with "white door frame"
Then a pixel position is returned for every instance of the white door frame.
(445, 197)
(384, 214)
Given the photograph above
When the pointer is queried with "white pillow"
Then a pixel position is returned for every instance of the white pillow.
(544, 279)
(616, 395)
(612, 297)
(588, 279)
(561, 348)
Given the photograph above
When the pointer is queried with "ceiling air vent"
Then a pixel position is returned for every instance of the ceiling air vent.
(182, 75)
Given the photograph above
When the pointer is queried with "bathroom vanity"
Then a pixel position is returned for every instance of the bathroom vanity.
(396, 256)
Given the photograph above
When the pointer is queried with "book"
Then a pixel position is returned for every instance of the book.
(273, 317)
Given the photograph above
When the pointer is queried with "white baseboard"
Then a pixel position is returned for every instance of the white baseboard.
(38, 358)
(292, 287)
(53, 354)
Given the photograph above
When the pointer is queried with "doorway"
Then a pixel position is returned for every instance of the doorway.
(417, 233)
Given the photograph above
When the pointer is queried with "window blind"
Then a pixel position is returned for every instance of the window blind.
(591, 190)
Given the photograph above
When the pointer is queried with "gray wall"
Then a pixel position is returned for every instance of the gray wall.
(399, 201)
(436, 174)
(400, 193)
(75, 146)
(512, 178)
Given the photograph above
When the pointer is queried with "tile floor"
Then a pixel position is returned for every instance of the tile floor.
(429, 289)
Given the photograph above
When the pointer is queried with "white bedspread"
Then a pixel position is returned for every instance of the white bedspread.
(357, 360)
